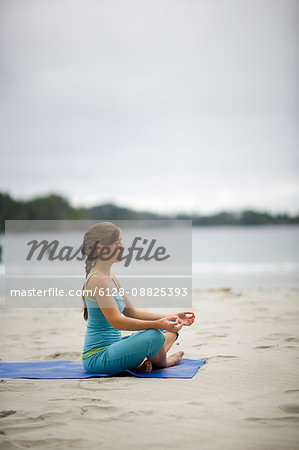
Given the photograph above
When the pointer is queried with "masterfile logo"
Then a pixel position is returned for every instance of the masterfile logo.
(45, 262)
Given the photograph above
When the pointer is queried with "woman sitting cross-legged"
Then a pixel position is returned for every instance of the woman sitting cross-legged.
(105, 349)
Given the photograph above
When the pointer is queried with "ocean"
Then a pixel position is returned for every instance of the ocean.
(235, 257)
(246, 257)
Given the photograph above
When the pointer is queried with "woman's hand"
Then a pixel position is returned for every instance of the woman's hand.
(186, 318)
(170, 323)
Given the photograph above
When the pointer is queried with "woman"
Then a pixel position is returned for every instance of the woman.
(105, 350)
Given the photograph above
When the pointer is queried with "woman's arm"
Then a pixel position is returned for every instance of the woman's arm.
(186, 318)
(140, 314)
(111, 312)
(143, 314)
(170, 323)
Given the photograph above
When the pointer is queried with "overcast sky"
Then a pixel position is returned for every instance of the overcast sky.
(167, 105)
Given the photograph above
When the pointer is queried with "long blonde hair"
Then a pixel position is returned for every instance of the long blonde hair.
(105, 233)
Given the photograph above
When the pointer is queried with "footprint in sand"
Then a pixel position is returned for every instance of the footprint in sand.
(51, 443)
(274, 420)
(263, 347)
(78, 399)
(195, 403)
(291, 339)
(96, 411)
(7, 413)
(89, 386)
(63, 356)
(212, 336)
(292, 391)
(223, 356)
(290, 408)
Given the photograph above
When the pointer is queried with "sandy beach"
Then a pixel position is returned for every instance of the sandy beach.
(246, 396)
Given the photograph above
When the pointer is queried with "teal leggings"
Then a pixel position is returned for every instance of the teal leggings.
(127, 353)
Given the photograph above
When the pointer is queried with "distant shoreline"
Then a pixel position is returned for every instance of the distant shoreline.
(57, 207)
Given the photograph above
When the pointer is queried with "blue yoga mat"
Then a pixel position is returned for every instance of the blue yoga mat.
(73, 369)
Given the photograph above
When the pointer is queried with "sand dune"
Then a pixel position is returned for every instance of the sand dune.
(246, 396)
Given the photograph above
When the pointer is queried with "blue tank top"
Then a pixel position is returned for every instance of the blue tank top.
(99, 332)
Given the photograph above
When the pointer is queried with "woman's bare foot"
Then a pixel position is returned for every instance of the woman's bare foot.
(174, 359)
(145, 367)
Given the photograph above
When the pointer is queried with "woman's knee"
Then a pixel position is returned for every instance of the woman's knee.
(156, 335)
(156, 338)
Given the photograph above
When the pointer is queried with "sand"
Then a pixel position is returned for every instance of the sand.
(246, 396)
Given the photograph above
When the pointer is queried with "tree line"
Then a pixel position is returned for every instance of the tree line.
(57, 207)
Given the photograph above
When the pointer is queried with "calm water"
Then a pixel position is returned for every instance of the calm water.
(246, 257)
(242, 257)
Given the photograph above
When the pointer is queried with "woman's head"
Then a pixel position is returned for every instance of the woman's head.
(100, 240)
(103, 235)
